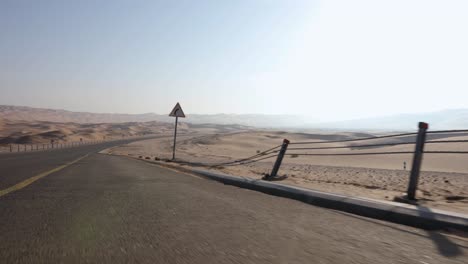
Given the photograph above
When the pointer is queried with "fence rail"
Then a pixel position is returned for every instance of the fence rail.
(351, 154)
(14, 148)
(354, 139)
(420, 141)
(252, 159)
(358, 146)
(448, 131)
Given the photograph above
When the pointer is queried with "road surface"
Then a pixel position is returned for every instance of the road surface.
(108, 209)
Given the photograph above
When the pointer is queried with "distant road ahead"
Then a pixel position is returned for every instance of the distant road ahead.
(107, 209)
(18, 166)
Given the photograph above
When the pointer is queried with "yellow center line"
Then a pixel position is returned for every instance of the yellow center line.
(29, 181)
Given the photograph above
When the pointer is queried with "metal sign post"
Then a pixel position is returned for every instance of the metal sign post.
(176, 112)
(175, 136)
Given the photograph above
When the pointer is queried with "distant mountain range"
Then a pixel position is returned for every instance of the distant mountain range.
(447, 119)
(39, 114)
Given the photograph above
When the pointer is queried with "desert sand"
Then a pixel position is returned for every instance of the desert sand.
(32, 133)
(443, 183)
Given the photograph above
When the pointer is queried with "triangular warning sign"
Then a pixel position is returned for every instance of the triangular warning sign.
(177, 111)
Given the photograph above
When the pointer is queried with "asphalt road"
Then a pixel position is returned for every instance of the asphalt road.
(17, 166)
(107, 209)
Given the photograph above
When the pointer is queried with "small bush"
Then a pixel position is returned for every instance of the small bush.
(258, 151)
(148, 158)
(140, 157)
(294, 156)
(156, 158)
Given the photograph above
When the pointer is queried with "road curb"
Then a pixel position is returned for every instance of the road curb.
(411, 215)
(417, 216)
(406, 214)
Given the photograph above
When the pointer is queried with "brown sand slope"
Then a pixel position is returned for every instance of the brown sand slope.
(14, 132)
(37, 132)
(22, 113)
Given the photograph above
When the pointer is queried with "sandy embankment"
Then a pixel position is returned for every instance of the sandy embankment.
(443, 183)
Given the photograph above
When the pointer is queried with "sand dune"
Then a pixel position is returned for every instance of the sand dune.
(39, 132)
(17, 113)
(13, 132)
(56, 115)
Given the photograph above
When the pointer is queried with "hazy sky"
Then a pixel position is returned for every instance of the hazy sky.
(327, 59)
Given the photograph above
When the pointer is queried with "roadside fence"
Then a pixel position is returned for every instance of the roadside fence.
(54, 145)
(303, 148)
